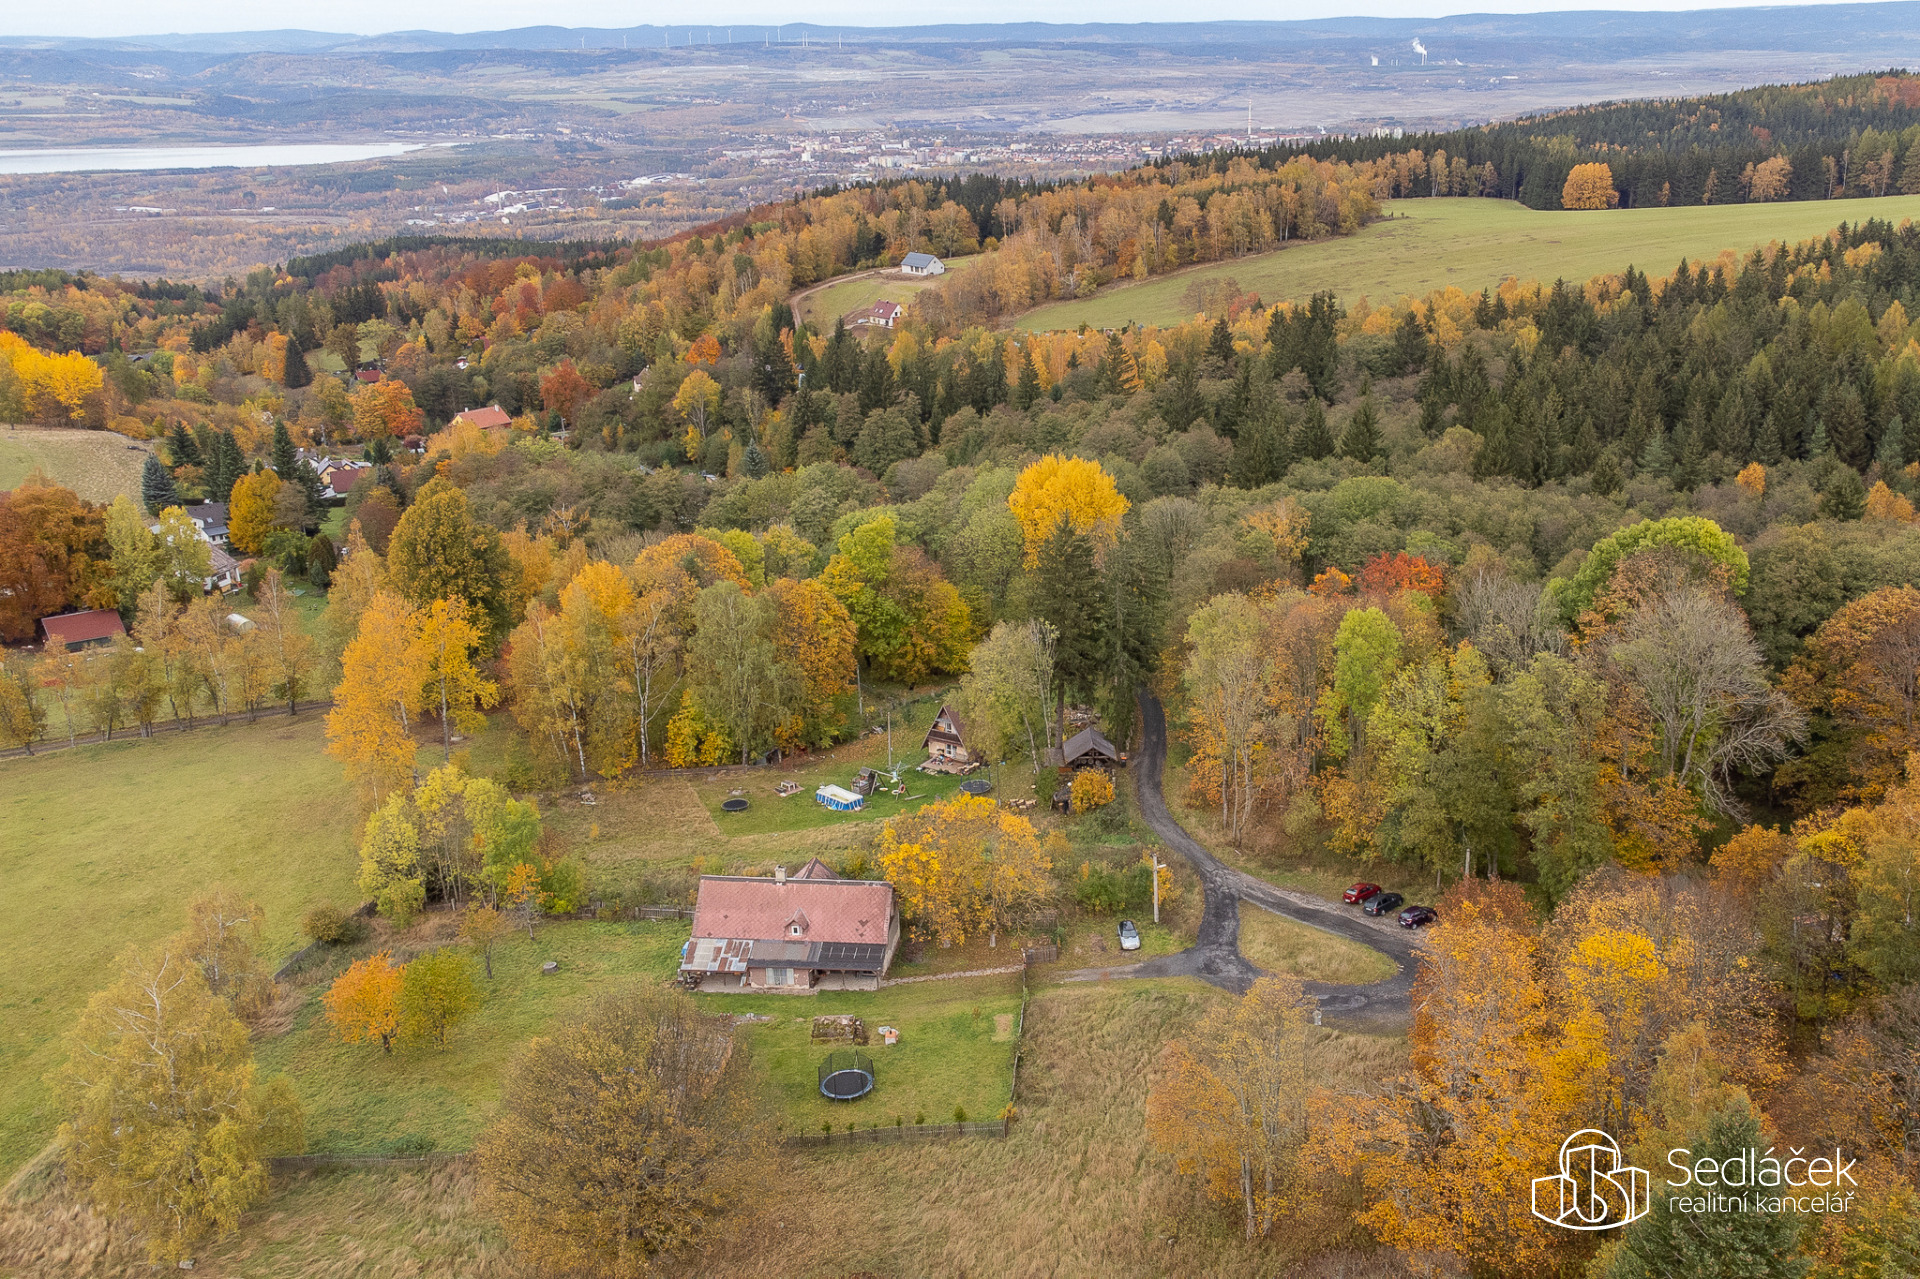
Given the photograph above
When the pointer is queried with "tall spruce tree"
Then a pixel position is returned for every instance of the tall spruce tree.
(181, 446)
(1068, 596)
(1361, 440)
(1311, 436)
(284, 455)
(297, 373)
(156, 486)
(1733, 1244)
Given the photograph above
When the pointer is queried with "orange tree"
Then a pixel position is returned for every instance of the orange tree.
(363, 1004)
(1589, 186)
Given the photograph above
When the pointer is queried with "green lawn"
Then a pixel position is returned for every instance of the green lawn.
(836, 300)
(358, 1099)
(956, 1049)
(361, 1100)
(1429, 244)
(107, 844)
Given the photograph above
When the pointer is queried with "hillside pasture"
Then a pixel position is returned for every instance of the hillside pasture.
(98, 465)
(107, 844)
(1423, 245)
(826, 303)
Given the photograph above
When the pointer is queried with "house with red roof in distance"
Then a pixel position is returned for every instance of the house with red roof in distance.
(81, 630)
(493, 417)
(881, 315)
(792, 933)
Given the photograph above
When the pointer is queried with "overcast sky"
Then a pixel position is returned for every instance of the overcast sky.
(124, 18)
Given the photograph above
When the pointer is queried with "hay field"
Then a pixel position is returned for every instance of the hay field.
(98, 465)
(1423, 245)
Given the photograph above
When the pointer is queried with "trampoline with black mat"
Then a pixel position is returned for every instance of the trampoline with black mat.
(846, 1075)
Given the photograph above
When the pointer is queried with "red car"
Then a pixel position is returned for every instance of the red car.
(1359, 893)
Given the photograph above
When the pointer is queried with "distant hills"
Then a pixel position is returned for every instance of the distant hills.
(1886, 31)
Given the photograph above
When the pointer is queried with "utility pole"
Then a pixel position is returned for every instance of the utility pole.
(1158, 866)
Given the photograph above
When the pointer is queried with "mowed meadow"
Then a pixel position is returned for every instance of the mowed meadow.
(1471, 244)
(107, 844)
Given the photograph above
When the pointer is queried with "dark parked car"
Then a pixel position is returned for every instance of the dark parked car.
(1359, 893)
(1383, 904)
(1418, 916)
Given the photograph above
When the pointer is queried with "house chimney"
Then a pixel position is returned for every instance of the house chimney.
(779, 874)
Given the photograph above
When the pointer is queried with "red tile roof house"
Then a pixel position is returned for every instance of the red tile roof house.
(489, 418)
(799, 934)
(79, 630)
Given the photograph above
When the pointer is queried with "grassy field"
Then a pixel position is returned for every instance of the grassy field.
(1281, 945)
(824, 306)
(666, 824)
(106, 846)
(956, 1049)
(1472, 243)
(98, 465)
(362, 1101)
(1074, 1191)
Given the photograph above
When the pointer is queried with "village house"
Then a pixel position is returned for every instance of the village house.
(791, 934)
(922, 264)
(210, 521)
(337, 478)
(947, 739)
(81, 630)
(491, 418)
(881, 315)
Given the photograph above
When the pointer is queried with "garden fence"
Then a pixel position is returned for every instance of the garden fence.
(132, 732)
(895, 1134)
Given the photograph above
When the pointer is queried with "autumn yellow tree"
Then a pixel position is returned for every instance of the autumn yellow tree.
(697, 400)
(444, 642)
(282, 640)
(1237, 1103)
(436, 994)
(1589, 186)
(363, 1004)
(1072, 489)
(813, 635)
(167, 1126)
(964, 866)
(1448, 1158)
(369, 728)
(251, 517)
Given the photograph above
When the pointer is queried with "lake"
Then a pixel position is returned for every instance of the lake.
(276, 154)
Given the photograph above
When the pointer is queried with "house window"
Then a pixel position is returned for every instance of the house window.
(779, 976)
(793, 930)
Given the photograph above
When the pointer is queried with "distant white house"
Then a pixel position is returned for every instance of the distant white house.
(922, 264)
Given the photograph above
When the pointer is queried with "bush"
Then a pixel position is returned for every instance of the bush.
(1092, 789)
(332, 925)
(1104, 891)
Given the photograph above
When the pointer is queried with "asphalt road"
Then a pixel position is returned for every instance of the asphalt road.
(1215, 956)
